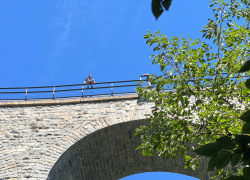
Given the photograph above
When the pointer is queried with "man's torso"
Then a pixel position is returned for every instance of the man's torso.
(88, 79)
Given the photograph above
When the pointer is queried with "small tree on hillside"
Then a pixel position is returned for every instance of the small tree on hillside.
(209, 94)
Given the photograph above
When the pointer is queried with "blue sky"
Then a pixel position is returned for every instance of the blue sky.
(158, 176)
(62, 41)
(59, 42)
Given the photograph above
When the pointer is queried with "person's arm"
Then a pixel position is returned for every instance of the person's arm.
(145, 75)
(85, 81)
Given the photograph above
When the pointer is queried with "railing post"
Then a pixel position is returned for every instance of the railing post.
(82, 92)
(54, 92)
(112, 89)
(26, 94)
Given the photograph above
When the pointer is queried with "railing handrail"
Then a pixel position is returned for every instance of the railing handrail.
(56, 91)
(68, 85)
(16, 93)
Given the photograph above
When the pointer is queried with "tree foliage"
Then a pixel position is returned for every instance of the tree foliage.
(201, 96)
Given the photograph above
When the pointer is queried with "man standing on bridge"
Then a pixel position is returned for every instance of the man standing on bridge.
(89, 81)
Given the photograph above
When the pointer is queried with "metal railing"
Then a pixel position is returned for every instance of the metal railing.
(102, 89)
(72, 91)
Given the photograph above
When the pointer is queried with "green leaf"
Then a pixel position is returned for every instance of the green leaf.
(234, 178)
(247, 83)
(246, 155)
(156, 8)
(211, 5)
(246, 173)
(235, 159)
(246, 162)
(197, 164)
(246, 116)
(144, 152)
(241, 140)
(246, 128)
(226, 143)
(166, 4)
(163, 67)
(240, 149)
(208, 150)
(245, 67)
(219, 161)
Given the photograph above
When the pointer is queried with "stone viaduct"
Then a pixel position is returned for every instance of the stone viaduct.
(78, 139)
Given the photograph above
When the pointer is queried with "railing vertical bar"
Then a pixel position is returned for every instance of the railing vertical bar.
(112, 89)
(54, 92)
(82, 92)
(26, 94)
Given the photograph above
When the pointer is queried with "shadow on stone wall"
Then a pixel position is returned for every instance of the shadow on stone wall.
(109, 154)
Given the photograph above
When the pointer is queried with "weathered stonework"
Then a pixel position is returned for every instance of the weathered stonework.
(109, 154)
(34, 135)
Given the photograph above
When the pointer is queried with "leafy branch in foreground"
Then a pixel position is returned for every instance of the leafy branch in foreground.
(158, 7)
(209, 95)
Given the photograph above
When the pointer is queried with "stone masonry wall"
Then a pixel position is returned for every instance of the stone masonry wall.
(109, 154)
(33, 135)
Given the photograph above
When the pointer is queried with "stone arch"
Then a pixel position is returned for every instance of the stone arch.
(109, 153)
(52, 154)
(8, 167)
(40, 132)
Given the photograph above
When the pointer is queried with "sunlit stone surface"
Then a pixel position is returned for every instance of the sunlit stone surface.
(77, 139)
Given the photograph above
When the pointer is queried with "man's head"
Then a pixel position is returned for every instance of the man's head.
(90, 76)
